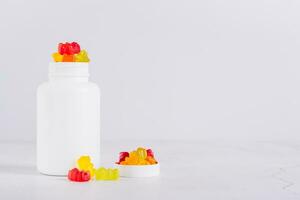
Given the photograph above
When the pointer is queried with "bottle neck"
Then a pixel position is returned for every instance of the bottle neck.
(69, 71)
(69, 79)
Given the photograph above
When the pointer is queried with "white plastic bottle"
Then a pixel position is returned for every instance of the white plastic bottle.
(68, 118)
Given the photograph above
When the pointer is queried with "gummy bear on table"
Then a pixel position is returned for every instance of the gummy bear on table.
(106, 174)
(70, 52)
(78, 176)
(85, 171)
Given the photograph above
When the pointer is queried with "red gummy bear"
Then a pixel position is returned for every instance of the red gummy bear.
(75, 47)
(122, 156)
(62, 48)
(78, 176)
(150, 153)
(68, 48)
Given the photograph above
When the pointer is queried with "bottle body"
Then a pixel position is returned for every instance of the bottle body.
(68, 123)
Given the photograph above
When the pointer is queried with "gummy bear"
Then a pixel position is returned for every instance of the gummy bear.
(133, 158)
(70, 52)
(57, 57)
(142, 153)
(68, 48)
(151, 160)
(82, 56)
(62, 48)
(150, 152)
(113, 174)
(68, 58)
(100, 173)
(106, 174)
(140, 156)
(122, 156)
(84, 163)
(78, 176)
(74, 48)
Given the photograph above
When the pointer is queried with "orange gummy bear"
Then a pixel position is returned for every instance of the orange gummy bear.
(68, 58)
(151, 160)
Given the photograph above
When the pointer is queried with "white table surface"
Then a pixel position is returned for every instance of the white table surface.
(189, 170)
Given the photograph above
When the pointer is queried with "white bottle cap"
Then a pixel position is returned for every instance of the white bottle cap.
(138, 170)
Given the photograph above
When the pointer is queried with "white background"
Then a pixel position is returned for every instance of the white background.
(167, 69)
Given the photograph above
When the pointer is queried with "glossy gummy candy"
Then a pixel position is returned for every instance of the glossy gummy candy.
(68, 58)
(122, 156)
(150, 152)
(84, 163)
(140, 156)
(70, 52)
(151, 160)
(78, 176)
(82, 56)
(141, 153)
(68, 48)
(57, 57)
(62, 48)
(106, 174)
(86, 171)
(74, 48)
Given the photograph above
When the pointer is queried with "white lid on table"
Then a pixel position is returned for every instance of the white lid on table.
(136, 171)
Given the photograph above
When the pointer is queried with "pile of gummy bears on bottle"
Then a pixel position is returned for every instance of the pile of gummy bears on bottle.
(70, 52)
(86, 171)
(140, 156)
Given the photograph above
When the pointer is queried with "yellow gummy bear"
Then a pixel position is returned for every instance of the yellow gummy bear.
(84, 163)
(57, 57)
(113, 174)
(142, 153)
(100, 173)
(106, 174)
(82, 56)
